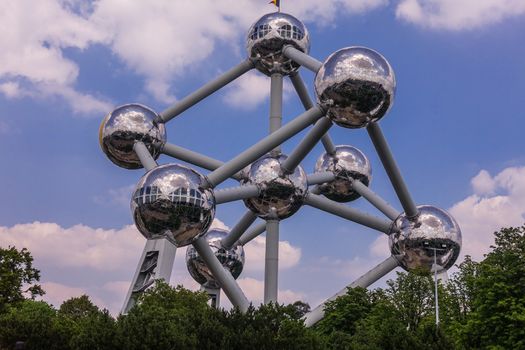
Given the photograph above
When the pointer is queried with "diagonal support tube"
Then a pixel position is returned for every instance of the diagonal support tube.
(375, 200)
(306, 145)
(320, 178)
(303, 59)
(192, 157)
(391, 168)
(265, 145)
(235, 193)
(253, 233)
(236, 232)
(206, 90)
(348, 213)
(364, 281)
(147, 160)
(225, 279)
(271, 263)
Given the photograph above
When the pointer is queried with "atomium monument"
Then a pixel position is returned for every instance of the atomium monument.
(173, 205)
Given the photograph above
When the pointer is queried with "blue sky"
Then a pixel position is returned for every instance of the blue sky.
(455, 127)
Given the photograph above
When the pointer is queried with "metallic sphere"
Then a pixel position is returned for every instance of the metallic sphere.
(280, 194)
(232, 260)
(170, 201)
(347, 164)
(124, 126)
(356, 86)
(413, 241)
(267, 38)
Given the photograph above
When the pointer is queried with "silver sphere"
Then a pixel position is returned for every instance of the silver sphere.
(124, 126)
(413, 241)
(280, 194)
(170, 201)
(267, 38)
(356, 86)
(231, 259)
(346, 164)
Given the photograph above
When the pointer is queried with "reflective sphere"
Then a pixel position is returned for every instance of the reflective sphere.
(347, 163)
(413, 241)
(281, 193)
(170, 201)
(232, 260)
(269, 35)
(124, 126)
(356, 86)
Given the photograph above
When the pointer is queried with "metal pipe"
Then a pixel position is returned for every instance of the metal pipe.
(391, 168)
(253, 233)
(302, 92)
(320, 178)
(236, 232)
(235, 193)
(225, 279)
(375, 200)
(264, 146)
(271, 261)
(306, 145)
(348, 213)
(206, 90)
(276, 105)
(364, 281)
(301, 58)
(146, 159)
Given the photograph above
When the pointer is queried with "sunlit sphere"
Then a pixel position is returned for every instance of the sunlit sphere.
(356, 86)
(231, 259)
(267, 38)
(347, 164)
(413, 241)
(126, 125)
(170, 201)
(280, 194)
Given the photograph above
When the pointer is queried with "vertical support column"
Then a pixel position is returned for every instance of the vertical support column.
(156, 262)
(215, 296)
(271, 269)
(276, 105)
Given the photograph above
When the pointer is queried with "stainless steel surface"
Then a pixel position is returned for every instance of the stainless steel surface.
(302, 58)
(356, 86)
(415, 239)
(231, 259)
(124, 126)
(281, 192)
(170, 201)
(269, 35)
(346, 163)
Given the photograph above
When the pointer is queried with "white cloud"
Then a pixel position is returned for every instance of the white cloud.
(498, 202)
(254, 291)
(458, 15)
(289, 255)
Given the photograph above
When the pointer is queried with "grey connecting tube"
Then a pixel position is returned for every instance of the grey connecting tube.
(253, 233)
(320, 178)
(348, 213)
(206, 90)
(265, 145)
(144, 156)
(305, 146)
(271, 257)
(364, 281)
(301, 58)
(235, 193)
(302, 92)
(225, 279)
(191, 157)
(237, 231)
(375, 200)
(391, 168)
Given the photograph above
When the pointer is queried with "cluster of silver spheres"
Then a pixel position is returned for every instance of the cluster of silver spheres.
(354, 87)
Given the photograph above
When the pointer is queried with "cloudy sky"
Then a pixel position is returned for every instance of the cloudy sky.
(455, 128)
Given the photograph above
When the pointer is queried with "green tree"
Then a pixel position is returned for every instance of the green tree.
(18, 277)
(497, 307)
